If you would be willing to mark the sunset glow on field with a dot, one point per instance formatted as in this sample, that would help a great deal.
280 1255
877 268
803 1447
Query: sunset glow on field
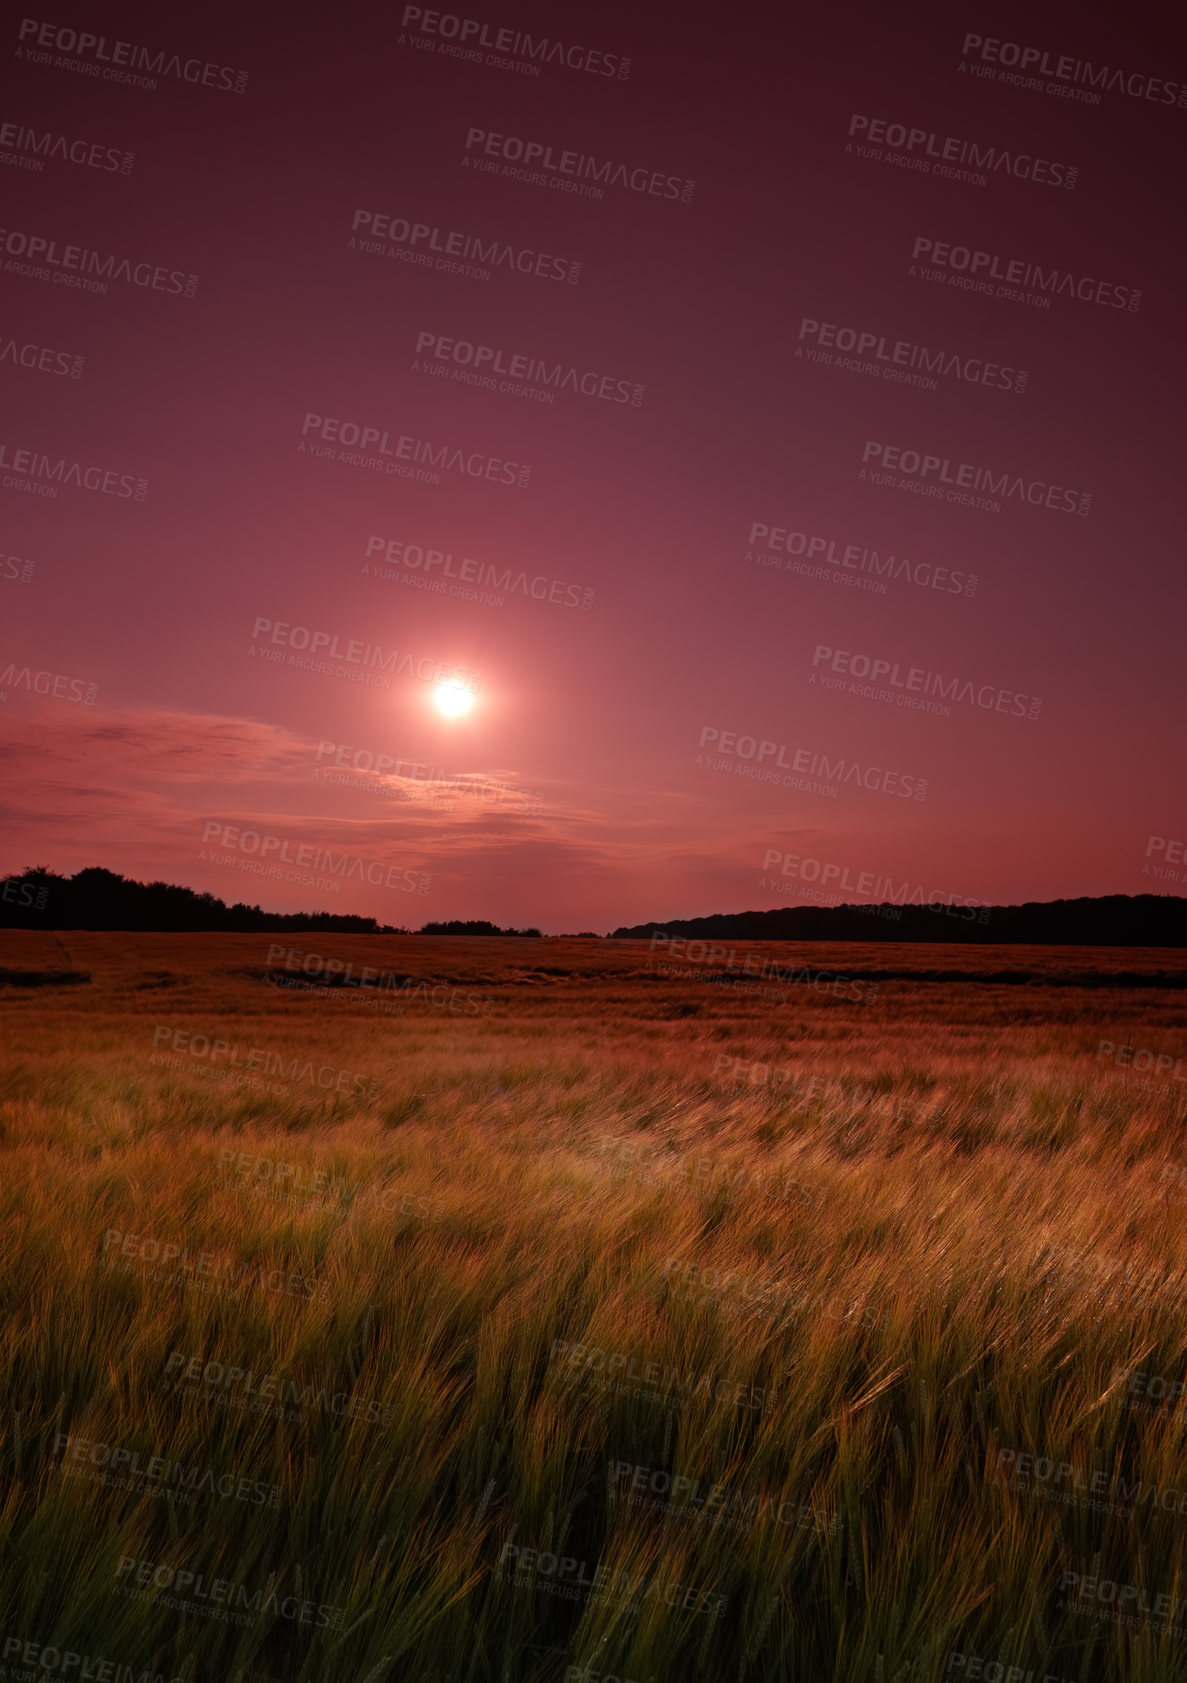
592 899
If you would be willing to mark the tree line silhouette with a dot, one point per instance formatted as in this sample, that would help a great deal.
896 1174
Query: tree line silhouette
95 898
38 898
1110 920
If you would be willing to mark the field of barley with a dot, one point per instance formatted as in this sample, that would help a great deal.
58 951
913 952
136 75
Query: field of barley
386 1308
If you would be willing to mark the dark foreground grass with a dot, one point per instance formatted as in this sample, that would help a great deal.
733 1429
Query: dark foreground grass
621 1325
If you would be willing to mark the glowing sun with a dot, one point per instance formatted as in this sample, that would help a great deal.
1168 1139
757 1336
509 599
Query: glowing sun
453 699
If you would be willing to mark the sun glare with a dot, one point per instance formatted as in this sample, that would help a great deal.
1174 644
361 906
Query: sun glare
453 699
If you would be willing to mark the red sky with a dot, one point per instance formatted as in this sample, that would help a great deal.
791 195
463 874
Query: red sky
587 806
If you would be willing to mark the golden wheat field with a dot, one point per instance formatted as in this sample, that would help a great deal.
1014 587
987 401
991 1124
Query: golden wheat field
509 1311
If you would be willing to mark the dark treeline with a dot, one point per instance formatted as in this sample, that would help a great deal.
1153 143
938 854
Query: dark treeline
98 899
1111 920
474 926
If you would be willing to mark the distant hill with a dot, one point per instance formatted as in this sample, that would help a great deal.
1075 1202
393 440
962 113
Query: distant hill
1111 920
